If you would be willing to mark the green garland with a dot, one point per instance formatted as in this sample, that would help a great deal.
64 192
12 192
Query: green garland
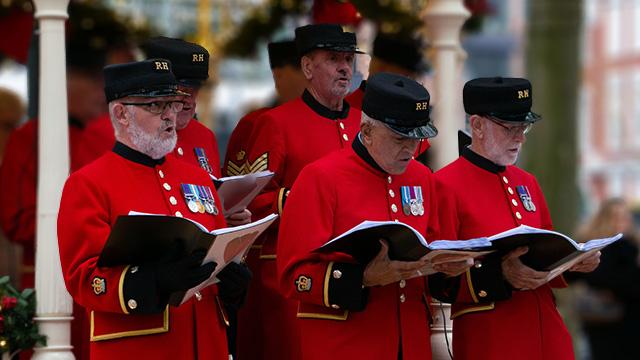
18 331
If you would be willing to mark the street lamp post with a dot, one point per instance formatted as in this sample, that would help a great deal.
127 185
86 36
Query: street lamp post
54 304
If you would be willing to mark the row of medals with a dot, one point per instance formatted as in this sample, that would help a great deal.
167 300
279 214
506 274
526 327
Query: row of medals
202 205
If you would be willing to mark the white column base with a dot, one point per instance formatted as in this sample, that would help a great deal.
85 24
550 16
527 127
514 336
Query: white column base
441 331
58 330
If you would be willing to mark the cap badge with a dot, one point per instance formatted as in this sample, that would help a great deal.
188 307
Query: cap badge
412 200
303 283
523 94
161 65
422 105
525 198
197 58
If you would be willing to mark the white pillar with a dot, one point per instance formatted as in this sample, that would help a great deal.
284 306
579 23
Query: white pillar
54 306
441 331
443 20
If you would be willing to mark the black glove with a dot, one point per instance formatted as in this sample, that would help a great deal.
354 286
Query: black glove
234 282
183 274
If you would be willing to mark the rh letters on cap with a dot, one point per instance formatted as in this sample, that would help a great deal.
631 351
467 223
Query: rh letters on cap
161 65
423 105
523 94
197 58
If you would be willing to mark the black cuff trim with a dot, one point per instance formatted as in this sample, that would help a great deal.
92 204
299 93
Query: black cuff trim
345 287
140 292
487 281
444 288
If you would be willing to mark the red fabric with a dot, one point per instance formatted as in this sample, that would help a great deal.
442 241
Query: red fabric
92 199
238 146
335 12
291 135
99 139
474 202
331 196
19 24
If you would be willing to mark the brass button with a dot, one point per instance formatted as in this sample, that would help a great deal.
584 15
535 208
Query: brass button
337 274
477 264
161 174
345 137
335 306
134 269
180 152
173 200
178 214
402 284
402 298
166 186
396 220
504 178
394 208
389 179
510 190
198 295
341 125
132 304
391 193
482 293
514 202
518 215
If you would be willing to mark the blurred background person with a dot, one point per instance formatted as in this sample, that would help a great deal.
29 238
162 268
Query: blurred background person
12 111
608 306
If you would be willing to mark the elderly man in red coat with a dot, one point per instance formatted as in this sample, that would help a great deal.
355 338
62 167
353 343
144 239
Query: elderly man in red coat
128 307
378 309
502 308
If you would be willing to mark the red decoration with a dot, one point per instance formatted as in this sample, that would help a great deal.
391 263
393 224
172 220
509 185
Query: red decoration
9 302
335 12
19 23
478 7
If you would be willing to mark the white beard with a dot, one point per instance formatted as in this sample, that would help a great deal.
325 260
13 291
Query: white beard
152 145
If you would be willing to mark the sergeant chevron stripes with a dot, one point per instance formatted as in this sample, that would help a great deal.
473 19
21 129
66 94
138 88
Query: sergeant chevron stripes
247 167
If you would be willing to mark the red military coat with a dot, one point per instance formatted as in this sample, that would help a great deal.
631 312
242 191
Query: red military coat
92 199
331 196
235 159
284 140
492 321
99 139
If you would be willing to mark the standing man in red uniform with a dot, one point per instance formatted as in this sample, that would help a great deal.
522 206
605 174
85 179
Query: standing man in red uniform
284 140
380 309
502 308
128 307
289 83
398 54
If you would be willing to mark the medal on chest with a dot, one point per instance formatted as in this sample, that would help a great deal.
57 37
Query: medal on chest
412 201
203 160
525 198
199 199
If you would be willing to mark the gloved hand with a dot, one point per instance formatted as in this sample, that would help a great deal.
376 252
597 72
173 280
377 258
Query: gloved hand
234 282
183 274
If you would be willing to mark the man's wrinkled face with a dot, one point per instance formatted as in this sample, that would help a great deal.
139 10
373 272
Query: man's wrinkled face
503 141
153 134
391 151
189 110
331 72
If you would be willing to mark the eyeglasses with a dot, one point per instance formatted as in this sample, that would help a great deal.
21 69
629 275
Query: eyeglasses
512 130
158 107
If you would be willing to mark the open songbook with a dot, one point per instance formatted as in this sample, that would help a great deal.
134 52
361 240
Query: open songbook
548 250
236 192
140 238
405 244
